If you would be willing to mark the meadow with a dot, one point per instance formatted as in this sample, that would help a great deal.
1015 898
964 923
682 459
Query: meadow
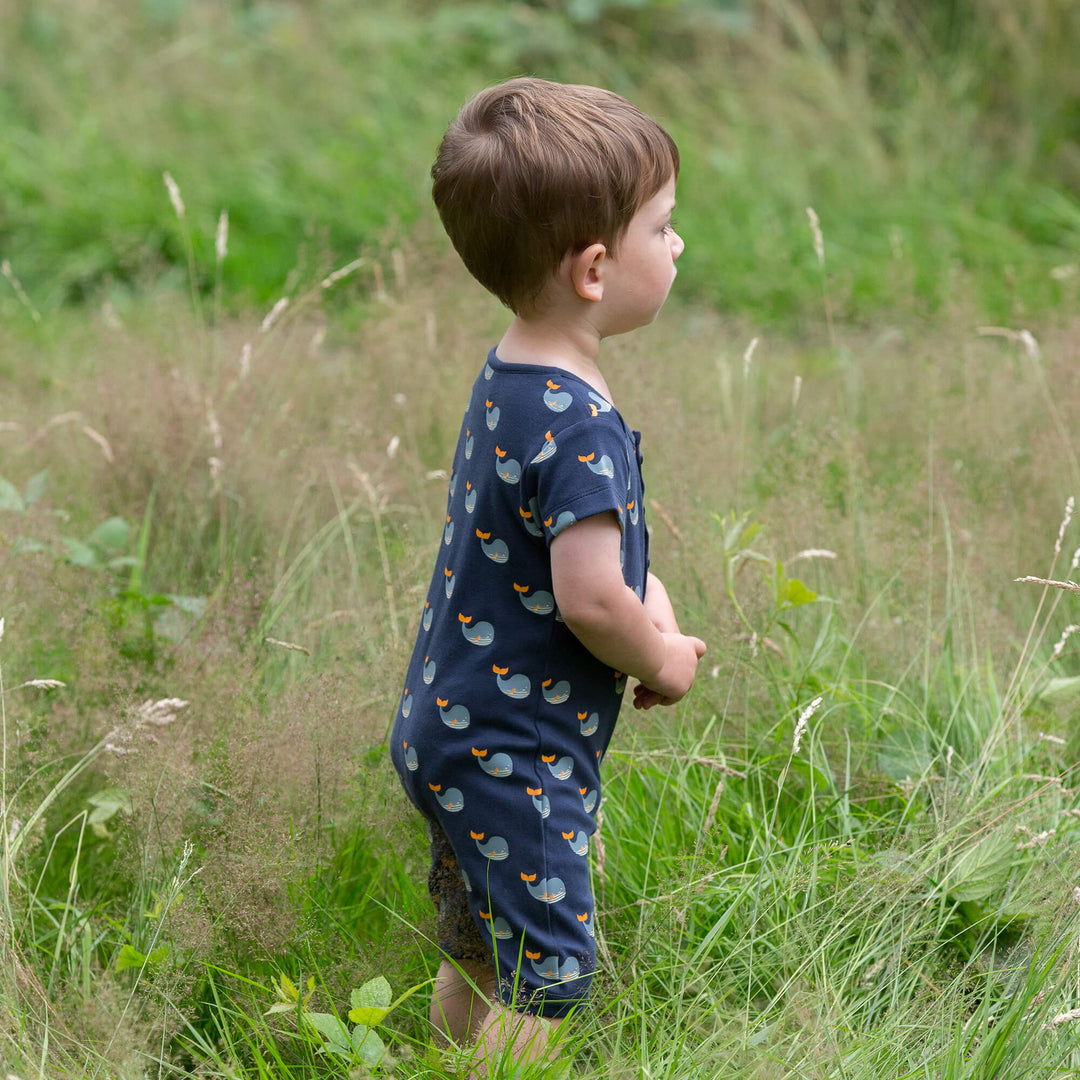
852 851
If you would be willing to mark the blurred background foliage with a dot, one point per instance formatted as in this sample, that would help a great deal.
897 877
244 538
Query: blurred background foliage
937 139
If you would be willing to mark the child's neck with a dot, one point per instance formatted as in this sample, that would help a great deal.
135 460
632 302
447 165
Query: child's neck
572 348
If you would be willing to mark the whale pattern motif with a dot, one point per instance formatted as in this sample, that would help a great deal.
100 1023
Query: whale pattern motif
519 819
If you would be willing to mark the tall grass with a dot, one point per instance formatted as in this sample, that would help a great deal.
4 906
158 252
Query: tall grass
890 893
851 852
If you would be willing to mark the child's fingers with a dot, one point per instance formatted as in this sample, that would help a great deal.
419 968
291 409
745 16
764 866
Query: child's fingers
699 646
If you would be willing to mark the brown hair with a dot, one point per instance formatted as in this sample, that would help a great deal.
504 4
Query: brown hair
532 170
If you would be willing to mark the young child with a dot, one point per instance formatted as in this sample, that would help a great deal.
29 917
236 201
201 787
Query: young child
558 199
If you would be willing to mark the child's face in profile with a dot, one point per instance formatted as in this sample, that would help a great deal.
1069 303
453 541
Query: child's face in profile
638 279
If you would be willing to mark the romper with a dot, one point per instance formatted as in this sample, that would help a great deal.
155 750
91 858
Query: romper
505 715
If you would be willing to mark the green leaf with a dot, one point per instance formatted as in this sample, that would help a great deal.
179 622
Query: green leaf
981 869
332 1029
130 957
27 545
106 805
367 1045
79 554
10 499
796 594
114 534
371 1002
35 487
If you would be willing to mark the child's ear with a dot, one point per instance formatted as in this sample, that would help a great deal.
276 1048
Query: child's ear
586 272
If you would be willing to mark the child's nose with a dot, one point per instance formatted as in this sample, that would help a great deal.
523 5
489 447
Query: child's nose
677 246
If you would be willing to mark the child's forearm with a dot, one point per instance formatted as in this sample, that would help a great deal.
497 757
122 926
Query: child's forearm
609 619
615 627
658 606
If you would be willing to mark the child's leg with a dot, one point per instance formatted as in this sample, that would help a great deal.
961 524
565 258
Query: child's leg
529 1038
457 1009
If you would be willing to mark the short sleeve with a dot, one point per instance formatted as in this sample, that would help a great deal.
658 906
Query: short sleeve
580 471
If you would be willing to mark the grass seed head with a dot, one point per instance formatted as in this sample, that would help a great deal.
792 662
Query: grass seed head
174 194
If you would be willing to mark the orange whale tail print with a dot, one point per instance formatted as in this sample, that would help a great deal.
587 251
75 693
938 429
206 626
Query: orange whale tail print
528 877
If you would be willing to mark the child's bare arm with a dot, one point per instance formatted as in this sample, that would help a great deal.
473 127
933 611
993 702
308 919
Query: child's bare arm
607 617
658 606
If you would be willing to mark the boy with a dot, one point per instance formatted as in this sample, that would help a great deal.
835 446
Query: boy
558 199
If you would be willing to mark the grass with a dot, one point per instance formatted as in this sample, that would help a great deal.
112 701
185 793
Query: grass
894 897
936 144
851 852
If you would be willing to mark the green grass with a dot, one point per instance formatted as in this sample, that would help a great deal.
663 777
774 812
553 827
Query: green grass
939 153
183 889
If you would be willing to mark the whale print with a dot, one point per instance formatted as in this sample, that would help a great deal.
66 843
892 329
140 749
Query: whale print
601 404
499 765
479 633
496 550
451 581
550 968
451 800
557 694
428 615
579 842
500 928
429 670
492 415
565 519
603 467
457 717
549 890
488 371
406 704
620 682
588 799
453 484
448 532
548 449
497 927
470 498
470 438
540 801
540 603
517 686
562 769
412 763
495 849
587 920
632 506
555 401
529 521
465 880
508 470
588 722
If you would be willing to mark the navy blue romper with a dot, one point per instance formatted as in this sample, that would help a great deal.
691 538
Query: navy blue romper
505 716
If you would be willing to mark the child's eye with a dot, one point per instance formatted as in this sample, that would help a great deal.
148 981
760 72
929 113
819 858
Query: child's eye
669 227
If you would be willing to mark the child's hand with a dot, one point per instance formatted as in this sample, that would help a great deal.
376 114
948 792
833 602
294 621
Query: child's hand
676 676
